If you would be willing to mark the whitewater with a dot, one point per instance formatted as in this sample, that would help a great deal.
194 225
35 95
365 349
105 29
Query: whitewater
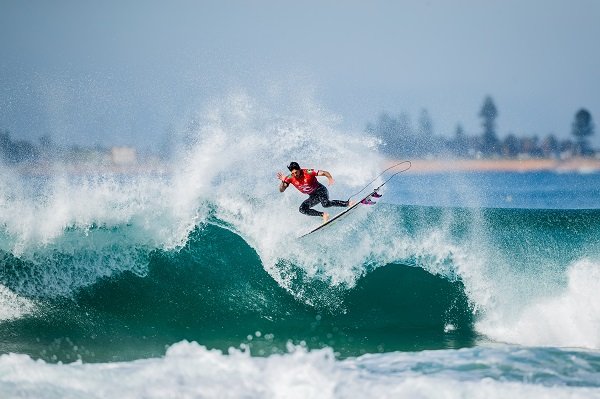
193 283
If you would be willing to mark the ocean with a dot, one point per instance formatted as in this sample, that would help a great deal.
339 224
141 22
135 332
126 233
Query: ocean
194 284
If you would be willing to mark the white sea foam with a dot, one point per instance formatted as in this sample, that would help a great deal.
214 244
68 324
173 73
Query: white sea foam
33 220
12 306
69 232
191 371
570 318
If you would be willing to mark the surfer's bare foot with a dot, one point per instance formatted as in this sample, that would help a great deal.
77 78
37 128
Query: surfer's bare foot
325 217
351 204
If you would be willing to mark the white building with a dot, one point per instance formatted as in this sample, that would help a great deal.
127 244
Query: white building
123 155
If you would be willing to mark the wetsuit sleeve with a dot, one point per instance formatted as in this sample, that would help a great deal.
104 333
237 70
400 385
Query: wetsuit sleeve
312 172
288 179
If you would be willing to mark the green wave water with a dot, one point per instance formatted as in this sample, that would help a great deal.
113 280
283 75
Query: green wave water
215 290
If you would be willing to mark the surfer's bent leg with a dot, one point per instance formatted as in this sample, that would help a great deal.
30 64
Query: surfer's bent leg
311 201
323 196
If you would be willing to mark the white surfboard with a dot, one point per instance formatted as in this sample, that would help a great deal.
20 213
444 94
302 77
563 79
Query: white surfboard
341 214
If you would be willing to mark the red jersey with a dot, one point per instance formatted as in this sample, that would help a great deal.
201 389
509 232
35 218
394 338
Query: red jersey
307 183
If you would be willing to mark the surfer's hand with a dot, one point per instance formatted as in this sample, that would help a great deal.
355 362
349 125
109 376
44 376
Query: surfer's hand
331 181
280 176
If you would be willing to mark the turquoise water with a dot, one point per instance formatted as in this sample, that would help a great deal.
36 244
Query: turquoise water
395 292
215 290
529 190
195 284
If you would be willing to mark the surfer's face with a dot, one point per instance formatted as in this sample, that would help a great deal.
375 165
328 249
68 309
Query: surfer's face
296 173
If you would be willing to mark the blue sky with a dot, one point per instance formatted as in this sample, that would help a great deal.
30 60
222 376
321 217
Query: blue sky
126 72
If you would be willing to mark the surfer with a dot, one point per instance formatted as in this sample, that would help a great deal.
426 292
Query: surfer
305 180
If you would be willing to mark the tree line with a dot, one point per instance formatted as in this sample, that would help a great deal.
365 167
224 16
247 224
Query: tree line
400 138
14 151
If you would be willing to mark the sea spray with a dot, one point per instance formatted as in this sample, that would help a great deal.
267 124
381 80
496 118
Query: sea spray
62 232
240 148
570 317
12 306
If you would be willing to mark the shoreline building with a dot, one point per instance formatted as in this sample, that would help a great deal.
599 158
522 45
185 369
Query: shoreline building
123 156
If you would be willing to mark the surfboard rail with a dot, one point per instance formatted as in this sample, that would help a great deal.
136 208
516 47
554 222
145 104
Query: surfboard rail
373 193
339 215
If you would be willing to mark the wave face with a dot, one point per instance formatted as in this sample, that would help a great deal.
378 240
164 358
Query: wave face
215 290
112 267
416 289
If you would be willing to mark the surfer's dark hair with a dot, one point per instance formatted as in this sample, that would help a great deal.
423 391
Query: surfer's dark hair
293 166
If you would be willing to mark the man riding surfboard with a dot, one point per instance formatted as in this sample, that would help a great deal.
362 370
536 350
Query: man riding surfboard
305 180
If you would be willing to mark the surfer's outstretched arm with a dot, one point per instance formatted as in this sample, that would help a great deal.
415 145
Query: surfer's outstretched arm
283 185
327 175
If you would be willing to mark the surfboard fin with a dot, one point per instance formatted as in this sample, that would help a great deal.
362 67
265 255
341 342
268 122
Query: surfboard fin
369 201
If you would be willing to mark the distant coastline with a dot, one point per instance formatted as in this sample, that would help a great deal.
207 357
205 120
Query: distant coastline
419 166
582 165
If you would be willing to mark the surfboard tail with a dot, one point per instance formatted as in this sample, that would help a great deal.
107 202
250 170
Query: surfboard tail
366 201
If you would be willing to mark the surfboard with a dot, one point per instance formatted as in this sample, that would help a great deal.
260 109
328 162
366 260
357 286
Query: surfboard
366 200
341 214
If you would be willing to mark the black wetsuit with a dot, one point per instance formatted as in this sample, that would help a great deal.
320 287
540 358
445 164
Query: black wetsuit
320 195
